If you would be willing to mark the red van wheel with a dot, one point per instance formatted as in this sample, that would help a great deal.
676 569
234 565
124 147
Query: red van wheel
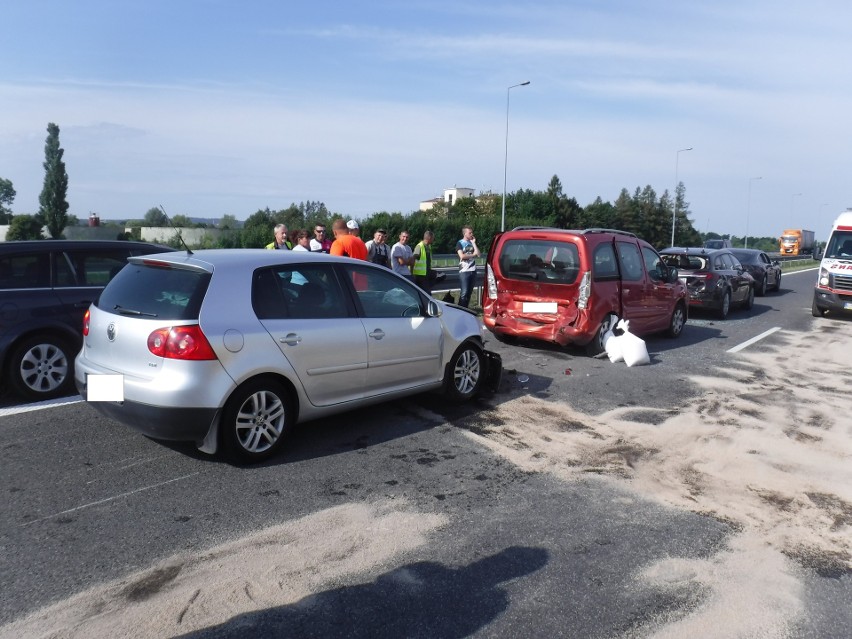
596 346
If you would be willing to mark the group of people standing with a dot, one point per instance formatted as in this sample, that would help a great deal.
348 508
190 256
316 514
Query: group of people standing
414 264
300 240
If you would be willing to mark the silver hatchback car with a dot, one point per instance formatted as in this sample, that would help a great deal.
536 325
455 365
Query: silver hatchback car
231 348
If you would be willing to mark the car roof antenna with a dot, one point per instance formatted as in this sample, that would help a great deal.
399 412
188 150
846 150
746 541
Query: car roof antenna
176 229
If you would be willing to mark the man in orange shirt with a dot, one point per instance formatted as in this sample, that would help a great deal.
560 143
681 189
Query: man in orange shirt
346 244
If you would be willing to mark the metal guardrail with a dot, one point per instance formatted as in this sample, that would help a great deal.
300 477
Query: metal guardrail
798 264
791 258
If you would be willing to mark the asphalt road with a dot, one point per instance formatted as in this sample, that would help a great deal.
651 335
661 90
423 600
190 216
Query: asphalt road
88 501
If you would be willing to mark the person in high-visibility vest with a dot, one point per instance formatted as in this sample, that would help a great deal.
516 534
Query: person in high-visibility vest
281 241
422 269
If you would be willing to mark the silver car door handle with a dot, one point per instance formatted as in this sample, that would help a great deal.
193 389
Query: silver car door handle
291 339
377 334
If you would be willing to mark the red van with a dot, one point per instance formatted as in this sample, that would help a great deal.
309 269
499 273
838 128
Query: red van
570 287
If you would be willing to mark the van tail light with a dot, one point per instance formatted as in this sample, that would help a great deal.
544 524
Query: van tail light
491 281
585 290
180 342
86 316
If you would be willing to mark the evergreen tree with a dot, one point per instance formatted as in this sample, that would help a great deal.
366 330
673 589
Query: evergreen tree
685 234
654 216
53 206
569 214
600 214
554 189
624 213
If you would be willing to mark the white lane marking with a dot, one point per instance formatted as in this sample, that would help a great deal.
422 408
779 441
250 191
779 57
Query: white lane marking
739 347
48 403
108 499
138 462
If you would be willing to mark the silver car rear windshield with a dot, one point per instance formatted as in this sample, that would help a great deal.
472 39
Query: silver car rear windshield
155 291
540 260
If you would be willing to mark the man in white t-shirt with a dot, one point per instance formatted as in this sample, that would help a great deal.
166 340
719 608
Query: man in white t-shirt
321 242
402 257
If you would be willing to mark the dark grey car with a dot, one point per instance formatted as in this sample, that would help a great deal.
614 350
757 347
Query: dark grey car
715 279
45 288
765 271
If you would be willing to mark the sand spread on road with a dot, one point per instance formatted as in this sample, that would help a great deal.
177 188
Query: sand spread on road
274 567
763 447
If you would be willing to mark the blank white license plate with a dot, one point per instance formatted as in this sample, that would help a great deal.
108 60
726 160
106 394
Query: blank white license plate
105 388
539 307
847 306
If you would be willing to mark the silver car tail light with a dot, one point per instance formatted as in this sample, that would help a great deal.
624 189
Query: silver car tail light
180 342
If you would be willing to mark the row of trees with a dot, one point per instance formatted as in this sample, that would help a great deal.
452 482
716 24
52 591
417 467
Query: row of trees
643 212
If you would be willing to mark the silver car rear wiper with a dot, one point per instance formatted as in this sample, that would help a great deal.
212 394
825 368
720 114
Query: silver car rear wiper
132 311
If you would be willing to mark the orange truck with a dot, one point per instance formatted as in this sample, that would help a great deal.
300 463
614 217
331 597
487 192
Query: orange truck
796 242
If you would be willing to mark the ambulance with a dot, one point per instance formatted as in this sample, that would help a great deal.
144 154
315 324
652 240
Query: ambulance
833 292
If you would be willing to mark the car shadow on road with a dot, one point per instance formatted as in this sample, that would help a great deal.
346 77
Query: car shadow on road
370 426
424 599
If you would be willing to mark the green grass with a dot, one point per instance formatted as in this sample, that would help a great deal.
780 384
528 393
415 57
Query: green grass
791 266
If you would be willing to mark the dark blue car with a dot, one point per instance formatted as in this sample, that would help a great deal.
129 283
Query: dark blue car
45 288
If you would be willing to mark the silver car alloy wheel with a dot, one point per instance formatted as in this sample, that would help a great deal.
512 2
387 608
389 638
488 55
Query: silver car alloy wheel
260 421
467 371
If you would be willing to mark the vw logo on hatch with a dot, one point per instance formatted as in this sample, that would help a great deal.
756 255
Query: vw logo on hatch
111 332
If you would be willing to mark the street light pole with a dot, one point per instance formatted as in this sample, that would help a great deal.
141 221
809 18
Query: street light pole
674 213
506 156
748 210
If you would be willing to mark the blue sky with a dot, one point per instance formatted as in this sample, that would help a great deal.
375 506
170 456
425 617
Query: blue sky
209 107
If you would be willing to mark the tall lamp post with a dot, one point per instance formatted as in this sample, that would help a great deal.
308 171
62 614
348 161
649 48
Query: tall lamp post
674 213
748 210
506 157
